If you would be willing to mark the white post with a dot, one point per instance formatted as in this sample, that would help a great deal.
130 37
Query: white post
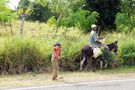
22 23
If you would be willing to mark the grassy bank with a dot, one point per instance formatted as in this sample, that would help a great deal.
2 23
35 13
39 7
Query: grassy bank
31 52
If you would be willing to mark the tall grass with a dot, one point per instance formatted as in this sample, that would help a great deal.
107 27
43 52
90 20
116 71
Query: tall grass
126 47
32 51
22 55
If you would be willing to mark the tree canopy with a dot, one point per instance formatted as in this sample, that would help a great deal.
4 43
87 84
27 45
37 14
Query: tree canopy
107 10
108 14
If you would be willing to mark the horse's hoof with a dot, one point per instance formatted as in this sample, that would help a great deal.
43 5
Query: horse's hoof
94 70
105 66
80 69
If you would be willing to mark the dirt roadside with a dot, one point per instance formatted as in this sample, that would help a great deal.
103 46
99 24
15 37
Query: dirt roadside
30 79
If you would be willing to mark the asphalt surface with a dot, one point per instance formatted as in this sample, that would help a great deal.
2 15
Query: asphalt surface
121 84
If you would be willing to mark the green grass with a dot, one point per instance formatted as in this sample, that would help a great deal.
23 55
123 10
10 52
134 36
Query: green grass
34 47
126 69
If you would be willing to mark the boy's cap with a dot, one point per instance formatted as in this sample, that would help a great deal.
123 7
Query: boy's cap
57 44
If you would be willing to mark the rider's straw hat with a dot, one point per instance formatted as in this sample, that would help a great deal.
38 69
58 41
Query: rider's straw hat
93 26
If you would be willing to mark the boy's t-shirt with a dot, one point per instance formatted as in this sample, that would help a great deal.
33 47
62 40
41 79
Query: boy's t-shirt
56 52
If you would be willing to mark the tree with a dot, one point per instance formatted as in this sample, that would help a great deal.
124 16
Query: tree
107 10
125 19
23 4
40 13
60 7
37 10
63 9
82 19
6 15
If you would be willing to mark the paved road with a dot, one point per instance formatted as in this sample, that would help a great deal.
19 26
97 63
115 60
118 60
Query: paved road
124 84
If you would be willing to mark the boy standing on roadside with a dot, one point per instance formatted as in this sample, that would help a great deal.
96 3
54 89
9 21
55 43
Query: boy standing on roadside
55 56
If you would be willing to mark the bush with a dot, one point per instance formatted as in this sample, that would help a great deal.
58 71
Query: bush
128 53
71 49
22 55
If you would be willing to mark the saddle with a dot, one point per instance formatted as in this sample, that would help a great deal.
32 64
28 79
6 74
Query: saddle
97 52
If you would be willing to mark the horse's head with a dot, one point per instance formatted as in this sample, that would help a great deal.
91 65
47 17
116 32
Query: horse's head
113 47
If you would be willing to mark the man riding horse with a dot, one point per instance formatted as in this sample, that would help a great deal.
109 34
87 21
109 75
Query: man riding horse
95 42
94 50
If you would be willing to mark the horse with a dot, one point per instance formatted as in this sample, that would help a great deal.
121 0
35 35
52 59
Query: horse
87 55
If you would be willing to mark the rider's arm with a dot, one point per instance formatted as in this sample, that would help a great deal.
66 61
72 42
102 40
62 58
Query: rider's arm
98 42
100 38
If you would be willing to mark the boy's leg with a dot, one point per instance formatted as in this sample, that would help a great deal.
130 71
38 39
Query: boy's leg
57 69
54 63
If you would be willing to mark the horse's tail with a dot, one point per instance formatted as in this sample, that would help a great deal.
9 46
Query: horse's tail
82 53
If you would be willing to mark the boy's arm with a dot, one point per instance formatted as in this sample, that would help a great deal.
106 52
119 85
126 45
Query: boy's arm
53 54
59 54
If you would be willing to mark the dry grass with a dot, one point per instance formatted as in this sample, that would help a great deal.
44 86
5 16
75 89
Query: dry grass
31 79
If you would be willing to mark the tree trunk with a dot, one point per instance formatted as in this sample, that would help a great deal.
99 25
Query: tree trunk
5 26
39 24
65 32
57 26
22 25
11 28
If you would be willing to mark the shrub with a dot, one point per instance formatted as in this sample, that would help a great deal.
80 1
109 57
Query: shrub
128 53
22 55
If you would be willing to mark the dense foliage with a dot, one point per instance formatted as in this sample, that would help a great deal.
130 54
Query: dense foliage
125 19
128 54
36 10
107 10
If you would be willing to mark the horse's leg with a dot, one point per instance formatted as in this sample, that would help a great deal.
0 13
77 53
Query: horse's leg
82 62
93 65
105 64
101 64
89 63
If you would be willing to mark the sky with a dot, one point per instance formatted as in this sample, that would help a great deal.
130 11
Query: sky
13 4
